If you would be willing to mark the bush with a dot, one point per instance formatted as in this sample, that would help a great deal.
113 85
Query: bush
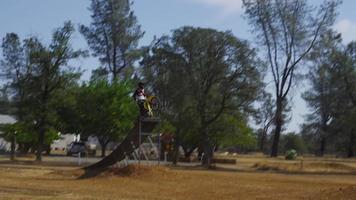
291 154
292 141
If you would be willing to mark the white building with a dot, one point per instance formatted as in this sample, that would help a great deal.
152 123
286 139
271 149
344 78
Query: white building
66 139
5 119
60 144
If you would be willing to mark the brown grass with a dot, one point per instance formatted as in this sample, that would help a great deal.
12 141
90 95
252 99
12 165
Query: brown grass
19 181
308 167
347 192
136 171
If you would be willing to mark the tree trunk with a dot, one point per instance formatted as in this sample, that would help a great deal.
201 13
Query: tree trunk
207 149
324 131
41 137
200 152
42 122
262 140
278 124
103 149
351 146
33 148
27 147
103 141
114 76
13 147
175 151
322 146
188 152
24 148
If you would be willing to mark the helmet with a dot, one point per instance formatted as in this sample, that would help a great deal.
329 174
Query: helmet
141 85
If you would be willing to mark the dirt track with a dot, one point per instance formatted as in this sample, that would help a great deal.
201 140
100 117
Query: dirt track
41 182
253 177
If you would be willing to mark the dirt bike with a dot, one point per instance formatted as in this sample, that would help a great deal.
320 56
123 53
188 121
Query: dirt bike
150 104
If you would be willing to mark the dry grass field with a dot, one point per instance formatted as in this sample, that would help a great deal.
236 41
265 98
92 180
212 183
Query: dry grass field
253 177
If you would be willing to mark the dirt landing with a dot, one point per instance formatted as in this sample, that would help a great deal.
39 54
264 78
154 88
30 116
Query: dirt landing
311 168
161 183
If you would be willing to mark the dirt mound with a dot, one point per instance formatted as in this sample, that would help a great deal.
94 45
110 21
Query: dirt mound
333 167
74 173
128 171
314 167
348 192
276 166
136 170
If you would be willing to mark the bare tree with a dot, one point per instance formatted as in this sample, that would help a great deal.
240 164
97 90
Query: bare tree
287 30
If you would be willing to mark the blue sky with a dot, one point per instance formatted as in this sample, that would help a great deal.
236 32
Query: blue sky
157 17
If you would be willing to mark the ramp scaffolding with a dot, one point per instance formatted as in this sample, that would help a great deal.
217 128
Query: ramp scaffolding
133 145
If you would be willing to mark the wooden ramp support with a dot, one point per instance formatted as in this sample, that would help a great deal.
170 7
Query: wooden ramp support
143 127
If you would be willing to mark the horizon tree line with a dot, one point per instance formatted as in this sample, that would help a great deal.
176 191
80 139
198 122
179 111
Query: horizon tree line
208 81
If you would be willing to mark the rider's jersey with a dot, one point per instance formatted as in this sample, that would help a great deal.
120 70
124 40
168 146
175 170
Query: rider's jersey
139 94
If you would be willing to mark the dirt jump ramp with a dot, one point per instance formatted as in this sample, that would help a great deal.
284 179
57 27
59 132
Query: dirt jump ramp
128 145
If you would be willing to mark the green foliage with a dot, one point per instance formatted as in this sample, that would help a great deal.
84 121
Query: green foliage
291 154
287 31
330 127
234 131
51 135
343 79
16 70
6 106
65 103
105 110
26 134
200 75
51 74
292 141
113 35
37 73
166 127
319 97
99 74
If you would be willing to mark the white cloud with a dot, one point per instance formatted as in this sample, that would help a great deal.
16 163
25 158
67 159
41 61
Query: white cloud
227 7
347 28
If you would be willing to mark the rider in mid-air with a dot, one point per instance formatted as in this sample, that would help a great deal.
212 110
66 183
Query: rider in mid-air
140 97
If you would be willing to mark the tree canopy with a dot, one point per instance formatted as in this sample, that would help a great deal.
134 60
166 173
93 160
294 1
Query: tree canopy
200 75
113 35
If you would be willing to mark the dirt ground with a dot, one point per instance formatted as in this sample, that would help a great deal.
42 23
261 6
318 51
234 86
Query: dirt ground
250 178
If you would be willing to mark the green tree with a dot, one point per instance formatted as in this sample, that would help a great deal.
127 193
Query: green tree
106 111
99 74
287 30
293 141
16 70
50 74
25 136
233 131
199 75
332 97
113 35
320 97
65 103
343 78
5 105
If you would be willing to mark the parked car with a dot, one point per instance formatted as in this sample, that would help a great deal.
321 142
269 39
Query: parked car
75 148
82 148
